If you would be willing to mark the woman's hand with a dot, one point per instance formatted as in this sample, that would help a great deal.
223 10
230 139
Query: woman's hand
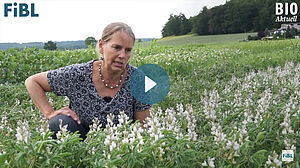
65 111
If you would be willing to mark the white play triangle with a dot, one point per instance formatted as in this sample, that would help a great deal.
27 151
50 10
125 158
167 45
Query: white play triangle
149 84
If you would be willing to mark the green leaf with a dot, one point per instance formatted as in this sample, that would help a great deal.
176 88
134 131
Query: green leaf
260 136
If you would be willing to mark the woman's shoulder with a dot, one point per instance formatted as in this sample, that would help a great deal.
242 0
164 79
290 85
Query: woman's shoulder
72 71
82 66
131 68
79 67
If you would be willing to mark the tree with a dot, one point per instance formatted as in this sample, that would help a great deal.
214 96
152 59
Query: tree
90 40
200 22
185 25
176 25
235 16
50 45
216 22
172 27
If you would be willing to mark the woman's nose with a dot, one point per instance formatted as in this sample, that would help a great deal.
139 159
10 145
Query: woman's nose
122 54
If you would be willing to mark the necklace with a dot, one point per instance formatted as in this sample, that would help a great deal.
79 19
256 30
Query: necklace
105 84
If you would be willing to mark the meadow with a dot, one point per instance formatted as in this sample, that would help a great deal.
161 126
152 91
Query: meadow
203 39
230 105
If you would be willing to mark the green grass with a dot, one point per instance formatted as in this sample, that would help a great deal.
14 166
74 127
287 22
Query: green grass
194 39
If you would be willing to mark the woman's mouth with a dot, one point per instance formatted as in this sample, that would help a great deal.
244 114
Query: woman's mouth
118 64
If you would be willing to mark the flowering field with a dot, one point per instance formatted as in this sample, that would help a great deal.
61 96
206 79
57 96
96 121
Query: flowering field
230 105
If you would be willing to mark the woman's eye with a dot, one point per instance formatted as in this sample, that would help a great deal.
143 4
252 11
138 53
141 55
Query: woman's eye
117 47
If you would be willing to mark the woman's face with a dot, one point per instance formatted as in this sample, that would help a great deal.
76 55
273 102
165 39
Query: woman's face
116 51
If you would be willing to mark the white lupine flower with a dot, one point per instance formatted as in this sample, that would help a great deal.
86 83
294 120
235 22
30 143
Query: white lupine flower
204 163
112 145
125 140
96 126
210 104
216 130
23 131
3 122
93 150
228 144
179 108
263 105
42 129
236 146
211 162
287 129
50 100
154 126
273 160
191 123
63 133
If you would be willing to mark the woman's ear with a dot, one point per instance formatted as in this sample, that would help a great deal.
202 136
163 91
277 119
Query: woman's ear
100 43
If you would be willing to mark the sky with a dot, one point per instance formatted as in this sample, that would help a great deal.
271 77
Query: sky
71 20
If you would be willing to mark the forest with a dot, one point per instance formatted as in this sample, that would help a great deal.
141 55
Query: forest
235 16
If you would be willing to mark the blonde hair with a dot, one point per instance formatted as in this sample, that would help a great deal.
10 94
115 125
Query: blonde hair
112 28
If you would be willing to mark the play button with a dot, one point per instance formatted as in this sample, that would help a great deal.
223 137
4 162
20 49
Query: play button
149 84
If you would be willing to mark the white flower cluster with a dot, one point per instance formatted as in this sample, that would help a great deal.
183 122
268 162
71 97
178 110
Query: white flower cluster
171 120
171 123
209 163
273 161
63 132
211 104
115 138
286 124
43 128
3 122
239 96
123 133
112 133
154 126
263 105
23 132
189 113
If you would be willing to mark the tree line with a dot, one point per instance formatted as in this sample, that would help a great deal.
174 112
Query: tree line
50 45
235 16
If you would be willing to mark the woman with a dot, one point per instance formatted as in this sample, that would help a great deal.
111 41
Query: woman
95 88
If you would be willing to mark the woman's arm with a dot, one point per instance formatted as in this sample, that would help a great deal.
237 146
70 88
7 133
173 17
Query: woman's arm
141 115
37 86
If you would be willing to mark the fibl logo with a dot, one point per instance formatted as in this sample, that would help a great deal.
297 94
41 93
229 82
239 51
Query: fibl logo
20 10
287 155
289 11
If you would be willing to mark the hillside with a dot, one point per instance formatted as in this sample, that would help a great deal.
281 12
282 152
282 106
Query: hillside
206 39
61 45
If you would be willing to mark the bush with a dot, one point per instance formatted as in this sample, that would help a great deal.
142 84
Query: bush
250 38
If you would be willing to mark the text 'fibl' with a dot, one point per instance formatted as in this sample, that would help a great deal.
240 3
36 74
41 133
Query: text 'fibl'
19 10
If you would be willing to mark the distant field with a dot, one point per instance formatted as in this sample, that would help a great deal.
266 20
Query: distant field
194 39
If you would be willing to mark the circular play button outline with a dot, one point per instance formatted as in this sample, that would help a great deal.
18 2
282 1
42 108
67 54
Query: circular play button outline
149 84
